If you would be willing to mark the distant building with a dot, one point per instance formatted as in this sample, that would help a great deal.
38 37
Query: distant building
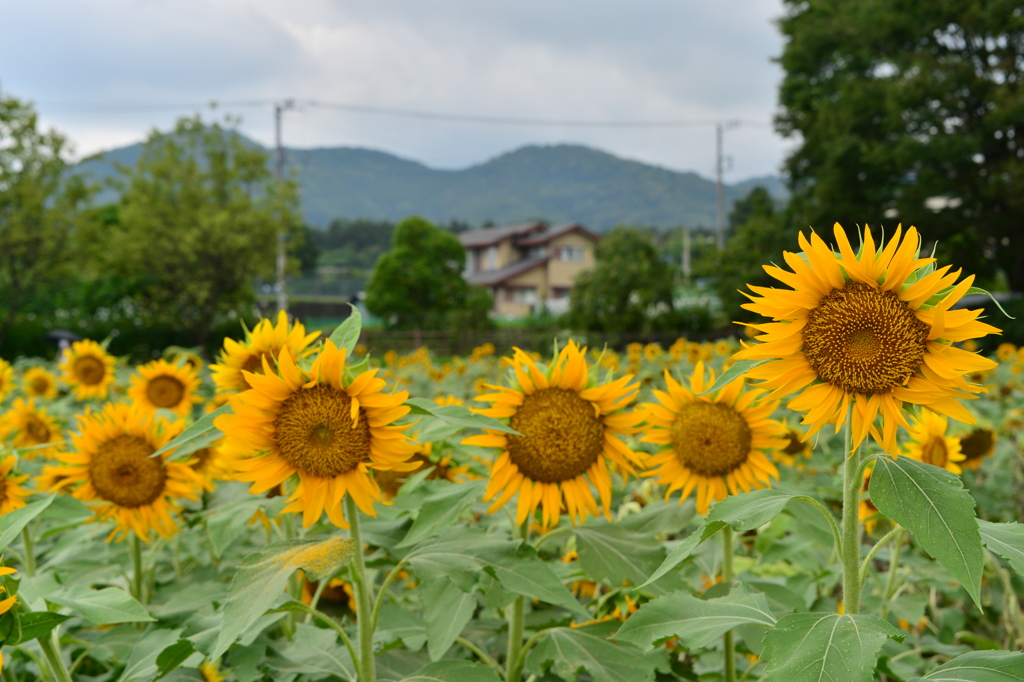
528 265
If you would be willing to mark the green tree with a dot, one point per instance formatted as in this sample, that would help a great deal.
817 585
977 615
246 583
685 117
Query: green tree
910 112
39 206
418 284
630 288
197 223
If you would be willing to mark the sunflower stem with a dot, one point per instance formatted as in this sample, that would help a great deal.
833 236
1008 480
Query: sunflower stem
727 640
53 658
364 599
138 571
894 565
30 551
850 551
513 660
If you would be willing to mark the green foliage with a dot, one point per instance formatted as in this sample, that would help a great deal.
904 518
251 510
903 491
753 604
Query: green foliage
419 284
566 651
354 243
896 103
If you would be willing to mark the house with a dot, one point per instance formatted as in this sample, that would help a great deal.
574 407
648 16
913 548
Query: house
528 265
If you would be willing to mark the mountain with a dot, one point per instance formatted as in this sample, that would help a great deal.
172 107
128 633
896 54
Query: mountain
560 183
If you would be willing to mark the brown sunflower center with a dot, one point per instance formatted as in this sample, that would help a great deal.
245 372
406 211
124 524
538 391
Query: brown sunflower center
40 386
316 435
165 391
934 452
123 472
711 439
254 364
200 458
562 436
3 490
977 444
36 429
89 370
794 446
864 340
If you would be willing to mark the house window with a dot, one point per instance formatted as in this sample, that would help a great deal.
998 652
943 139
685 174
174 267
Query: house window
491 258
538 251
525 295
559 292
571 253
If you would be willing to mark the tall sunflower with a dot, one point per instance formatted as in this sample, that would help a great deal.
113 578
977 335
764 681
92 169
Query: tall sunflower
31 426
6 377
571 428
111 465
713 444
264 342
797 446
442 470
88 369
6 604
12 495
874 328
976 446
39 382
212 463
930 444
162 385
329 430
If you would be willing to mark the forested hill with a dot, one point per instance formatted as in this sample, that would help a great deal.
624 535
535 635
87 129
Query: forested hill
557 182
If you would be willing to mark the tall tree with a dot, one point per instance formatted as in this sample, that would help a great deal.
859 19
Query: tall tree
39 206
910 111
198 221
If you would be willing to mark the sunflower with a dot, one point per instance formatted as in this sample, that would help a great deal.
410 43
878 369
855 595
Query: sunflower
1006 352
12 495
6 604
874 329
930 444
976 446
6 375
30 425
162 385
111 463
797 446
264 342
39 382
88 368
212 463
867 512
391 481
327 428
570 430
714 445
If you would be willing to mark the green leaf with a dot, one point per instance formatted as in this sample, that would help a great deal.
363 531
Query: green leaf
979 290
12 522
441 509
228 523
520 571
811 647
454 671
446 610
613 554
199 429
173 656
37 624
103 607
263 576
398 624
458 415
318 653
740 512
738 368
1006 540
142 663
696 622
564 651
932 504
346 334
979 666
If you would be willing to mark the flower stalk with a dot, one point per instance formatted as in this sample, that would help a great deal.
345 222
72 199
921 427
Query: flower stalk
849 552
138 571
514 660
366 664
727 640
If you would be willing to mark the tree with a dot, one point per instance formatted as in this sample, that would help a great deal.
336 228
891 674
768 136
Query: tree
39 206
418 284
198 222
910 112
628 290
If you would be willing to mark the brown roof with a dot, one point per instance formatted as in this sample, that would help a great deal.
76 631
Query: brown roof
490 278
557 231
493 235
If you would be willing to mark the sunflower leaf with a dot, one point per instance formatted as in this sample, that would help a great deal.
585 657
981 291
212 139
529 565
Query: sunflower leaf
1006 540
458 415
979 290
446 610
441 509
564 651
979 666
809 647
932 504
201 428
346 334
454 670
37 624
12 522
738 369
611 553
103 607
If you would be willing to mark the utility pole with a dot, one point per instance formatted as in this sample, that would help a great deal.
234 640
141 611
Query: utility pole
687 268
720 162
282 235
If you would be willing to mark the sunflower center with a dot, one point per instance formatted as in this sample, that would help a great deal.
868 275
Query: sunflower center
3 490
89 370
316 435
978 443
794 446
123 472
40 386
165 391
711 439
562 436
201 457
254 364
36 429
934 452
864 340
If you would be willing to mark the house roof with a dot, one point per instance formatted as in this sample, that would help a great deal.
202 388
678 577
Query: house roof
493 235
557 231
490 278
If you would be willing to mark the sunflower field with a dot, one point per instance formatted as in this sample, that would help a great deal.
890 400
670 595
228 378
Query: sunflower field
832 497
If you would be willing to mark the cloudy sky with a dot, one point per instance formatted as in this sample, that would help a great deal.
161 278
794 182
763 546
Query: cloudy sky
106 71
